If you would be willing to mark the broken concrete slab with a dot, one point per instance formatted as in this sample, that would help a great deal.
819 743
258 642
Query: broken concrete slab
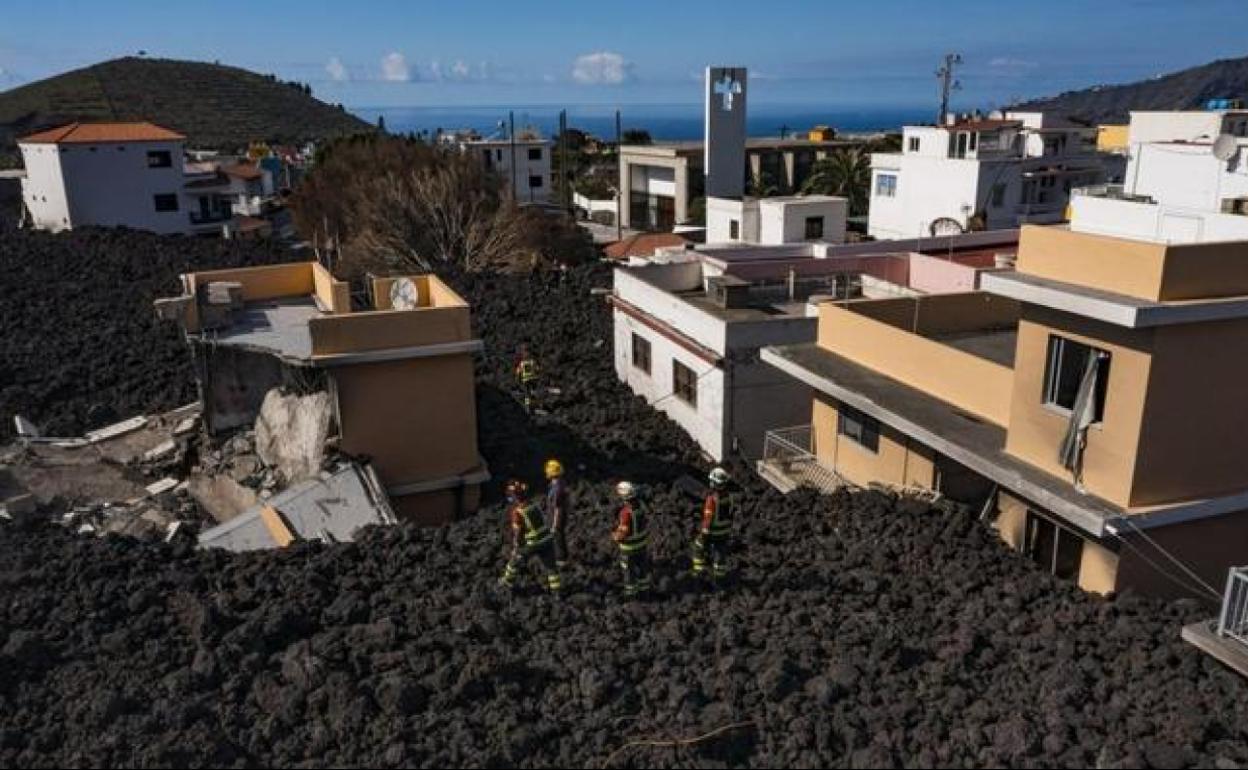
186 426
291 432
161 451
220 496
116 429
166 484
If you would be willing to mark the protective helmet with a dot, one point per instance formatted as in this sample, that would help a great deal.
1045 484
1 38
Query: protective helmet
625 490
516 488
554 468
718 477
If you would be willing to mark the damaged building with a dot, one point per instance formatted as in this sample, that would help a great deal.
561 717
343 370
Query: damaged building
343 391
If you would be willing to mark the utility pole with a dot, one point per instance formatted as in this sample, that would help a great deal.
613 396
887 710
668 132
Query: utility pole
619 182
565 194
947 85
511 134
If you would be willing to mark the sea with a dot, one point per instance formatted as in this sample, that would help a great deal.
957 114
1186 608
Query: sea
665 122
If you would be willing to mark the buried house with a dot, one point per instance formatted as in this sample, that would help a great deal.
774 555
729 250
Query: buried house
385 378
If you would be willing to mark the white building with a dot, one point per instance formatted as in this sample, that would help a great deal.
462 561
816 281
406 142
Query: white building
773 221
1186 181
989 173
531 179
133 175
687 332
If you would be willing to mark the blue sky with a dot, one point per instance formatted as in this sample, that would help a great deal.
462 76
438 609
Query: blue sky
414 53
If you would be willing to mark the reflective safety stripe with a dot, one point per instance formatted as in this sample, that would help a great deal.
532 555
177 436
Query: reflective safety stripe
634 543
535 531
554 582
528 370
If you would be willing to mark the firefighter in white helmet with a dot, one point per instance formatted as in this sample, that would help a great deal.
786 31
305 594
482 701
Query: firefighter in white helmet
710 544
632 537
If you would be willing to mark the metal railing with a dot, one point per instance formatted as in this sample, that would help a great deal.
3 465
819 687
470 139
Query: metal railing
789 457
1112 191
1233 623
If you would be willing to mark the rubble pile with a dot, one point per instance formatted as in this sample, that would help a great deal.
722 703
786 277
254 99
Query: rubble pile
81 346
858 629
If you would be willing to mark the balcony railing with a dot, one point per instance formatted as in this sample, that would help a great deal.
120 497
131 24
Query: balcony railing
1233 622
789 461
1113 191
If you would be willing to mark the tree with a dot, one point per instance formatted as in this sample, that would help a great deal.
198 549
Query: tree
846 173
381 124
636 136
761 185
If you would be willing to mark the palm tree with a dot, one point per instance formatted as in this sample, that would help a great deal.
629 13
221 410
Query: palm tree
846 173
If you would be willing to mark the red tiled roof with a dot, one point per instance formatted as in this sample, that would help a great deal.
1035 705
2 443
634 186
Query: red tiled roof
643 245
244 171
91 133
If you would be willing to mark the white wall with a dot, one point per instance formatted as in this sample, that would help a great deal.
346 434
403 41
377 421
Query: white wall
110 184
500 162
1187 176
43 190
783 220
721 211
1148 221
1169 126
927 188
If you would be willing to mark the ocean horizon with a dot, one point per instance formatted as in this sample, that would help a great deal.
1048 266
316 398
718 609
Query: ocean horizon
665 122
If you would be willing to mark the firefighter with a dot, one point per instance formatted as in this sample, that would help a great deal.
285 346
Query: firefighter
526 375
529 537
710 545
557 506
632 536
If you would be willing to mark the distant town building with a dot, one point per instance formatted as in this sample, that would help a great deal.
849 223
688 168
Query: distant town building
776 220
984 173
1186 181
134 175
530 179
689 326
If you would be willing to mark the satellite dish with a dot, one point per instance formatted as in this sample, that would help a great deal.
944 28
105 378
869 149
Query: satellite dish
404 295
945 226
1225 147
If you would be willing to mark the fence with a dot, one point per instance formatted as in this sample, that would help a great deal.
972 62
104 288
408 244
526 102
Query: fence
789 461
1233 622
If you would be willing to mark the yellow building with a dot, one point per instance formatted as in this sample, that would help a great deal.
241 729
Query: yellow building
1112 138
1092 401
397 365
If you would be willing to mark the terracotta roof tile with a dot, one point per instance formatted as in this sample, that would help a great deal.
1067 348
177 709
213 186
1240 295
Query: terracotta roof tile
643 245
91 133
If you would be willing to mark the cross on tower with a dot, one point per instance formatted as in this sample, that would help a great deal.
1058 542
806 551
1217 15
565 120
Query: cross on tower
727 87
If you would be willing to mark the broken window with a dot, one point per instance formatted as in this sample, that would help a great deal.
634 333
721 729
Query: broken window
1065 370
685 383
641 353
858 427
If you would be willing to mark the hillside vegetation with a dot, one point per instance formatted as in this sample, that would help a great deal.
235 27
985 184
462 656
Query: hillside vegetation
1184 90
214 105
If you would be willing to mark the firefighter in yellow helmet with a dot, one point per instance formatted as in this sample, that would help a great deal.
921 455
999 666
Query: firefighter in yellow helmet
526 376
529 537
710 544
557 509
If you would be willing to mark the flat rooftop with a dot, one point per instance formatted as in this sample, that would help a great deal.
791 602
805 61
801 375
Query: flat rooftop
278 326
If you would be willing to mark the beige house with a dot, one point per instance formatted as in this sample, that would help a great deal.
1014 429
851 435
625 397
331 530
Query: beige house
1090 404
397 366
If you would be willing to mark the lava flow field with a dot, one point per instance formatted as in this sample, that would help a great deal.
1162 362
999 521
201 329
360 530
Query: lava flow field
859 629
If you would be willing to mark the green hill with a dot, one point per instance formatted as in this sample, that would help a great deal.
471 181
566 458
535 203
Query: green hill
214 105
1184 90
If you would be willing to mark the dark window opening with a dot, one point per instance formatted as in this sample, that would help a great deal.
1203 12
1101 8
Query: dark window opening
1053 548
641 353
166 202
1065 369
814 228
685 383
159 159
535 153
535 181
734 229
858 427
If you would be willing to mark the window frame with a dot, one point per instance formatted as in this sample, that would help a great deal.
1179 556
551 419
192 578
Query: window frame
684 384
734 229
641 353
913 143
865 435
1054 360
885 185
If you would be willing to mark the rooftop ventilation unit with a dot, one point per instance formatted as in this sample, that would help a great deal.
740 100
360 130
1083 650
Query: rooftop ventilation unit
728 291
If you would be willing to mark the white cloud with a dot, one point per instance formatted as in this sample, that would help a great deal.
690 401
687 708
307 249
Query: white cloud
337 70
1008 65
394 68
602 68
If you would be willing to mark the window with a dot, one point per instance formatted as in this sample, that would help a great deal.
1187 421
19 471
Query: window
535 153
886 185
914 144
998 195
685 383
1055 549
159 159
814 228
641 353
734 230
974 141
166 202
535 181
858 427
1064 371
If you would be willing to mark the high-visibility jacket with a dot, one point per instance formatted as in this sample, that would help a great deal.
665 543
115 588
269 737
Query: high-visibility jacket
632 532
526 370
716 515
528 523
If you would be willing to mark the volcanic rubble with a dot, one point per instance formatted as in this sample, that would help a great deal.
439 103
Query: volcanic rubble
859 629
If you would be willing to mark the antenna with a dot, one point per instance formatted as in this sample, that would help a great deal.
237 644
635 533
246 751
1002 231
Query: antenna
404 295
1225 147
784 131
947 84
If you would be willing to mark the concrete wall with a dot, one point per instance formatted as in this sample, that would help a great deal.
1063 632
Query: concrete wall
724 121
500 162
783 220
1150 221
928 188
1171 125
1036 430
936 275
899 462
720 212
1209 547
1186 176
43 189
